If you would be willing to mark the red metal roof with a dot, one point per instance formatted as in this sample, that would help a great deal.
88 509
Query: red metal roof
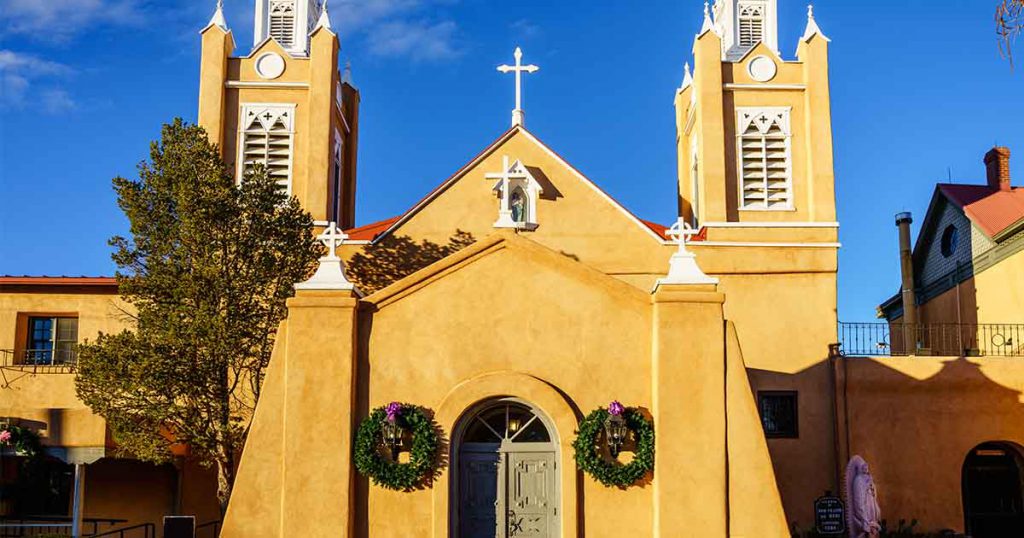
368 232
996 212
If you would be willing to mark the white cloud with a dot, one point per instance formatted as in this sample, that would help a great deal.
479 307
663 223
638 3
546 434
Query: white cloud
18 72
61 19
57 100
524 28
419 40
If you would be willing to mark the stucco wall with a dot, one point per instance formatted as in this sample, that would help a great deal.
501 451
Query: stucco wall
915 419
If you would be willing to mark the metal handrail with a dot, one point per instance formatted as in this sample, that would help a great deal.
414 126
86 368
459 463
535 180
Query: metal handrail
40 361
215 525
149 531
937 339
15 526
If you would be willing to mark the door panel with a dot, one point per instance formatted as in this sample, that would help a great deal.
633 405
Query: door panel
532 499
479 495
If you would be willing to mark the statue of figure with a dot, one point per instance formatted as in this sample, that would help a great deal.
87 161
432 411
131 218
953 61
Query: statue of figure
862 512
517 203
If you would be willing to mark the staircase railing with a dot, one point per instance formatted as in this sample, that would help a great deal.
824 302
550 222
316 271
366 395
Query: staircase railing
148 530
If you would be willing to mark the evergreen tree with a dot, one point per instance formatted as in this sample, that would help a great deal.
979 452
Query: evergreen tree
206 271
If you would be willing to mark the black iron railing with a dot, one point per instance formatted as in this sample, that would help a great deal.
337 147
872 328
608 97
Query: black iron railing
27 526
143 530
61 361
210 529
939 339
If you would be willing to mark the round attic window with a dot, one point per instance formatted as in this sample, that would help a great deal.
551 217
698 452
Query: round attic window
762 69
950 237
269 65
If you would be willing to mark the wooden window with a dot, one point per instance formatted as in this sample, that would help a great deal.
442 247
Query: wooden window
779 414
336 180
266 138
751 24
51 340
282 22
764 163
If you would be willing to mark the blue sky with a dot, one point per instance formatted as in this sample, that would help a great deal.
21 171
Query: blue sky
919 92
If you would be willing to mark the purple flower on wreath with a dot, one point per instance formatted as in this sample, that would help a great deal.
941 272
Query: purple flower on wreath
615 408
393 410
5 437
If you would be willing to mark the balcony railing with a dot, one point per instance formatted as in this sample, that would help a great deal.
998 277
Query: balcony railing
60 361
939 339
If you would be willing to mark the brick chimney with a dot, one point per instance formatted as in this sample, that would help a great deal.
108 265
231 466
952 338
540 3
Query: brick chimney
997 167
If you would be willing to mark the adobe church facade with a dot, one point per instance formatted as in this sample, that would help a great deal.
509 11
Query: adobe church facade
563 302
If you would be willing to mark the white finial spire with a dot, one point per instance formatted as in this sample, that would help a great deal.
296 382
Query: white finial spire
812 25
683 267
218 19
346 76
325 19
687 77
330 275
708 23
518 115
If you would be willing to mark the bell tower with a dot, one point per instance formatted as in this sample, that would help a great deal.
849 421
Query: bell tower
285 105
754 130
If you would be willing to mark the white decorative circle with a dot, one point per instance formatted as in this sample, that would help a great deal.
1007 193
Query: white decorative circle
269 65
762 69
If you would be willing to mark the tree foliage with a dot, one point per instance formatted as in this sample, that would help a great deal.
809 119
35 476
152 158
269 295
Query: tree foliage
1009 24
206 271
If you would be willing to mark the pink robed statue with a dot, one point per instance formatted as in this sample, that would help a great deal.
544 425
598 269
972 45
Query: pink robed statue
863 516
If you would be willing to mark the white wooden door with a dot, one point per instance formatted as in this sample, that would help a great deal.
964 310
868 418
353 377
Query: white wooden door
532 502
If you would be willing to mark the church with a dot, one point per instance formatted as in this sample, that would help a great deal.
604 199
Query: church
519 355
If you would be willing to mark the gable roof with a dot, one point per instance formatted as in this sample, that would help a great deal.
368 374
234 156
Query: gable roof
995 212
369 232
507 135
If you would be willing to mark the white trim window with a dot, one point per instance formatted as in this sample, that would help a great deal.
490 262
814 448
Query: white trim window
750 23
282 22
266 136
764 155
694 185
336 179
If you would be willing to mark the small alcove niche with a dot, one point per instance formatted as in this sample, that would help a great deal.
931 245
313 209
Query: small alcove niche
517 192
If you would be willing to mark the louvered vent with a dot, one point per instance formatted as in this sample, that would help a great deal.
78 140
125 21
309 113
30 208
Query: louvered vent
282 22
764 164
267 140
751 25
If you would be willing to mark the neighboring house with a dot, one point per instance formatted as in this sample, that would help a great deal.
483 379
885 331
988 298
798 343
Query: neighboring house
968 266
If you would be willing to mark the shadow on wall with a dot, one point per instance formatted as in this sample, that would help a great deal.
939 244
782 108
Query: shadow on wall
395 257
918 420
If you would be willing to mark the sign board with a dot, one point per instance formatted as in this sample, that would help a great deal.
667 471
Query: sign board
179 526
829 515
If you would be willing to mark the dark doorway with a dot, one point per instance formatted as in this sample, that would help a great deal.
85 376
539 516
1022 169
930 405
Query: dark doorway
992 491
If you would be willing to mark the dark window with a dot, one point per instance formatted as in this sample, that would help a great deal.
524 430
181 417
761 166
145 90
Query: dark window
51 340
949 240
778 414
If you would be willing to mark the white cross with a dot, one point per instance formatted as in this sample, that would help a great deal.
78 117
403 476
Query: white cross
518 69
332 237
680 232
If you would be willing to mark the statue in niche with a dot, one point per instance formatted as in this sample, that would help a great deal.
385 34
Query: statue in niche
517 203
864 517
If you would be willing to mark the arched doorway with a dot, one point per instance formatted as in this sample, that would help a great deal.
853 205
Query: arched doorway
992 491
505 483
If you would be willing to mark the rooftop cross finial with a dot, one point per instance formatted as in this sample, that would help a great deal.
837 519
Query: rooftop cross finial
330 275
708 24
325 18
810 10
682 267
681 232
332 237
518 70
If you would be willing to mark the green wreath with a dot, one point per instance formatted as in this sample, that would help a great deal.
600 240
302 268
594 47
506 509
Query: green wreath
388 473
610 472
